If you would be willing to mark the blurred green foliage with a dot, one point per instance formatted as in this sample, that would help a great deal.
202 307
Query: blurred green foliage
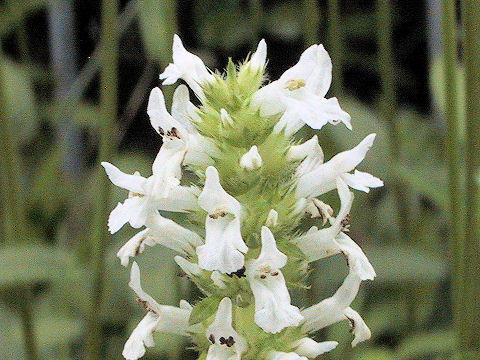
407 306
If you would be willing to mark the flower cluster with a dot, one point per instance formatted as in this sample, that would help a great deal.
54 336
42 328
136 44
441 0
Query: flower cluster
239 238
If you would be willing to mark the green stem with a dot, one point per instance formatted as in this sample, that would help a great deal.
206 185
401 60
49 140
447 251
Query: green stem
108 112
13 206
449 25
26 314
335 39
470 324
311 21
388 103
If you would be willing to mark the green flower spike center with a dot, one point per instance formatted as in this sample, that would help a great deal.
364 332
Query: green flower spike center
237 231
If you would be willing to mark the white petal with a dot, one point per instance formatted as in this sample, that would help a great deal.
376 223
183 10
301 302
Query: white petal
269 100
308 148
273 311
214 198
314 67
321 243
357 260
183 110
133 247
270 254
168 233
226 118
290 122
322 179
134 183
251 160
180 199
190 269
331 310
171 74
362 181
173 320
136 286
140 338
359 328
160 119
259 57
187 66
167 168
222 327
311 349
272 218
223 245
133 210
201 151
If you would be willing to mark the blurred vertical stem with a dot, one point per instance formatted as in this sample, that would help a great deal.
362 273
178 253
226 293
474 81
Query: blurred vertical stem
26 314
470 324
388 101
389 111
108 112
13 212
449 26
311 21
335 39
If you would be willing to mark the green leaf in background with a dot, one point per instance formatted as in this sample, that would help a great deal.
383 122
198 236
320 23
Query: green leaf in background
56 332
406 264
20 98
29 264
374 354
422 345
48 197
158 24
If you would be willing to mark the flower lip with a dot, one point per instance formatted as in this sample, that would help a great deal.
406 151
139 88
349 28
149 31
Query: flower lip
221 333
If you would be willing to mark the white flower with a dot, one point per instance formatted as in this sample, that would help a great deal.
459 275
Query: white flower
310 153
321 179
160 231
161 318
337 308
158 192
272 218
359 329
300 94
318 209
186 66
226 343
226 118
280 355
311 349
273 311
191 269
251 160
318 244
178 127
259 57
223 241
